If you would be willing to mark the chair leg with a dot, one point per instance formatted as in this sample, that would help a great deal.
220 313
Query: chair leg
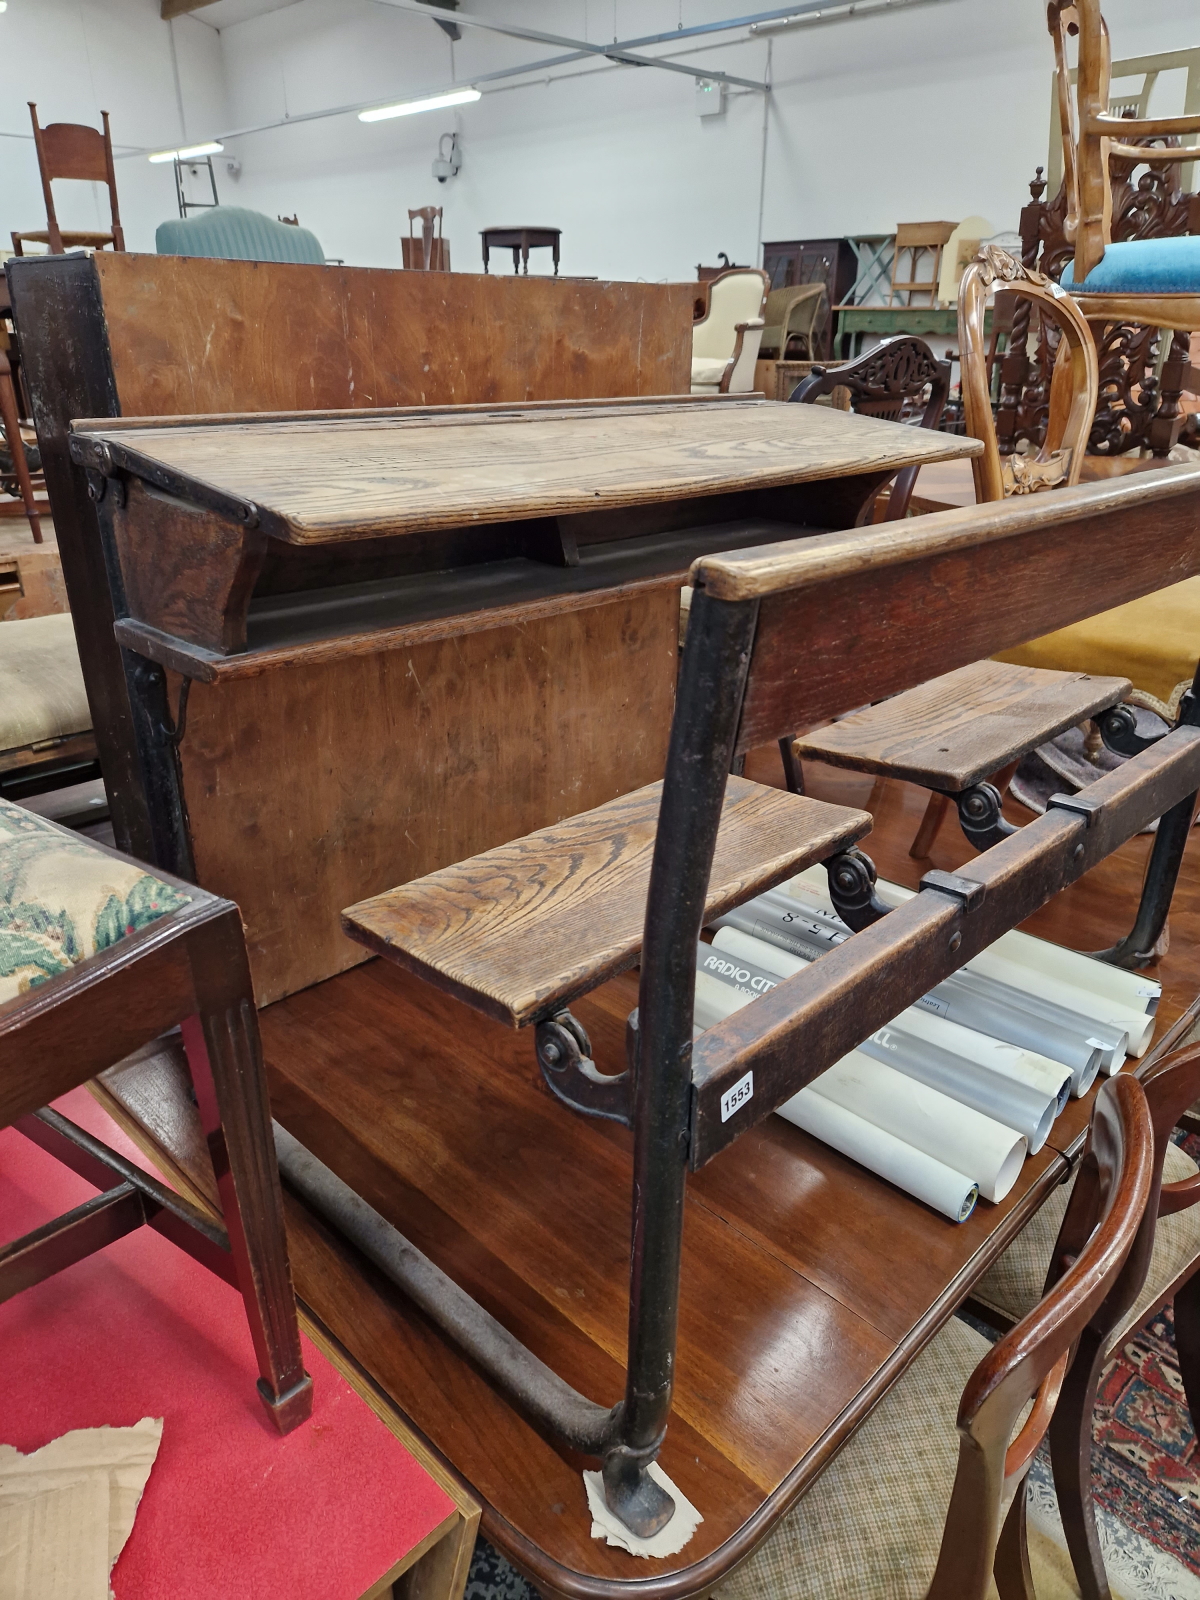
12 429
793 771
935 814
1014 1576
226 1066
1071 1458
1187 1343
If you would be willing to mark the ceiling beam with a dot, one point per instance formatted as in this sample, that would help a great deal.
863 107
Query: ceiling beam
180 8
612 52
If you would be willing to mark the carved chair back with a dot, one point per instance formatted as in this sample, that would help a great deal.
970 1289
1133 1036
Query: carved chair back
74 150
884 383
1074 388
1031 1361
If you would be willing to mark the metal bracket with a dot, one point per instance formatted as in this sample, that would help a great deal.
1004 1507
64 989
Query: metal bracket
981 815
966 890
1118 729
564 1054
852 889
174 732
1079 804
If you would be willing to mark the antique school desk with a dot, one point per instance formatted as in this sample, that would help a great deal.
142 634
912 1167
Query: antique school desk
792 1325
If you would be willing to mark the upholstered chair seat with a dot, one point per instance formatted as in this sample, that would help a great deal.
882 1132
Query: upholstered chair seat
1142 266
63 900
1014 1283
44 698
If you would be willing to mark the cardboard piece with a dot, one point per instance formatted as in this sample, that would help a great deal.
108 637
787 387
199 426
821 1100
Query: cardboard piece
67 1509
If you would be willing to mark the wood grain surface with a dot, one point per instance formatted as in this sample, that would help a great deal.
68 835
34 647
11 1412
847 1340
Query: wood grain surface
316 481
527 1205
964 726
190 335
314 786
522 930
964 585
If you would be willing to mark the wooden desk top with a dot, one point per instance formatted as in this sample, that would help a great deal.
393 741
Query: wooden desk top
320 479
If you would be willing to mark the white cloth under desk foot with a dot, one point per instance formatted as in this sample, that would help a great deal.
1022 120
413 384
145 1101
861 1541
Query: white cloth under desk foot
667 1541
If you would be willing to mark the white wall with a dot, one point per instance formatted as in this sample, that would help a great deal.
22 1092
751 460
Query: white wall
78 57
940 111
935 112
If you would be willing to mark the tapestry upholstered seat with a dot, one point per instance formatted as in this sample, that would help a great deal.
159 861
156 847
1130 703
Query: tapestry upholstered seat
1142 266
63 900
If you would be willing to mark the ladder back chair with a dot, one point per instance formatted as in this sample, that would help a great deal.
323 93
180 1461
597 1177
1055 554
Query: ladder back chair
99 957
73 150
780 632
1164 1268
880 1510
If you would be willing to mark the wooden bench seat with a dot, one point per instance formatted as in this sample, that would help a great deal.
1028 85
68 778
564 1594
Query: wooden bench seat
520 931
961 728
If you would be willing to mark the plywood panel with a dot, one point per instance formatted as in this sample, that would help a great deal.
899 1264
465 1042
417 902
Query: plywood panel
310 788
190 335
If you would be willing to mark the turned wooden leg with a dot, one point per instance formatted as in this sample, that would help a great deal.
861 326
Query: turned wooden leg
225 1060
1187 1343
1014 1578
12 429
935 813
1071 1458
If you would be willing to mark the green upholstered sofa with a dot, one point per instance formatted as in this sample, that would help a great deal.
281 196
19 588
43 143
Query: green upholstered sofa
232 233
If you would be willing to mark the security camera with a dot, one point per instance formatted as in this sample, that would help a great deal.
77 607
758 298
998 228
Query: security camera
449 162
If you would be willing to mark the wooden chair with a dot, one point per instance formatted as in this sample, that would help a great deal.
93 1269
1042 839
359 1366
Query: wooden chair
791 314
97 958
725 339
918 244
1150 281
957 733
1166 1258
73 150
10 425
879 1510
430 253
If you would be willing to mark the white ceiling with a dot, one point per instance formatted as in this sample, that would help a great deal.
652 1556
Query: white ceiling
225 13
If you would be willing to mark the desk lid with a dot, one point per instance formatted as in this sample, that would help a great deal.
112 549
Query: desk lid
318 478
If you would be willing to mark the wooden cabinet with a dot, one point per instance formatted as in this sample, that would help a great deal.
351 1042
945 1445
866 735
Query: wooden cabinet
832 262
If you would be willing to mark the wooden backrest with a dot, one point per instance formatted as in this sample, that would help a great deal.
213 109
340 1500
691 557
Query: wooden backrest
1074 391
1033 1358
1091 134
75 150
880 384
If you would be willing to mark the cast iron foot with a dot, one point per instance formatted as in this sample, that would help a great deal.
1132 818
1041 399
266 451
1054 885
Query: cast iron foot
632 1495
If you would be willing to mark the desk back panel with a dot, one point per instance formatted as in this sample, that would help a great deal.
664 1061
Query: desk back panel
134 335
191 336
309 787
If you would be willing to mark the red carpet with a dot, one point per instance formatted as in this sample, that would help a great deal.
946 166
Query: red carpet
231 1511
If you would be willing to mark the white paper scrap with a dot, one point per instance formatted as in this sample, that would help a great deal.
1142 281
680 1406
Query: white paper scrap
667 1541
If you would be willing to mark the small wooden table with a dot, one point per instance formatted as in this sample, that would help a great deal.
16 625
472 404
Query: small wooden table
854 322
521 241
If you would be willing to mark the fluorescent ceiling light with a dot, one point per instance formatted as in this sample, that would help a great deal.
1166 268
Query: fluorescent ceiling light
193 150
408 108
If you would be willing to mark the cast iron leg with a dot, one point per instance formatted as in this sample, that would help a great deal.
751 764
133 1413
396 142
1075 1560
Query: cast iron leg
1136 949
793 772
1187 1343
712 676
226 1067
1071 1458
